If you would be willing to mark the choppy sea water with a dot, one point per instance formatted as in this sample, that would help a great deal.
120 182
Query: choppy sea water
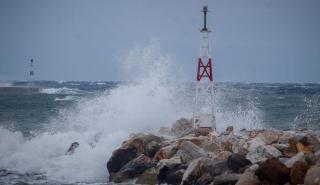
37 129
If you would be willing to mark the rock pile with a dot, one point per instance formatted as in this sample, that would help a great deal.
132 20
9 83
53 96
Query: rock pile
186 155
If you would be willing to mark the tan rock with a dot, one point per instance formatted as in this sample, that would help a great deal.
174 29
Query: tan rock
165 152
223 155
302 148
248 178
269 136
181 125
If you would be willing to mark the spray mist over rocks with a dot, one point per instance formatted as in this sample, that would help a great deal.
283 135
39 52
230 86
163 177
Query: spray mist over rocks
102 122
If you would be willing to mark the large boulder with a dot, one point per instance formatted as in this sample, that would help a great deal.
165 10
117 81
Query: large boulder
262 153
237 162
120 157
312 176
200 166
171 174
272 171
181 125
132 169
147 144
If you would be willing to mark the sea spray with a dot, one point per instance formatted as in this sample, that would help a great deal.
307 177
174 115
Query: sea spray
102 122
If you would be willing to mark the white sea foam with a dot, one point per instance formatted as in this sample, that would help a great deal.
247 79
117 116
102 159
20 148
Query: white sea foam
101 123
66 98
63 90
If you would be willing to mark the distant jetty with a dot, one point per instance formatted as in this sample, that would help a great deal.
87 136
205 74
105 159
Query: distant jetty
19 90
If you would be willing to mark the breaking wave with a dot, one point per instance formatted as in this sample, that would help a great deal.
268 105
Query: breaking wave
101 123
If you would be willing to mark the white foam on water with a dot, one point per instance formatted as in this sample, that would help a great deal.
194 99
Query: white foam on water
101 123
63 90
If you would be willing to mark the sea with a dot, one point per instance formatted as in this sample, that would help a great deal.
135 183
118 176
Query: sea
36 129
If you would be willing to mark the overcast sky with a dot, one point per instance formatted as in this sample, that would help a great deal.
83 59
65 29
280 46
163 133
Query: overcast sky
253 40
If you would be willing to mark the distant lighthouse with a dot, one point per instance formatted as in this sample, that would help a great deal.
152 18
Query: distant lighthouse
203 114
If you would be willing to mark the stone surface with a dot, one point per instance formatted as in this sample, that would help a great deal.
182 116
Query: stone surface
302 148
298 157
254 143
150 177
165 152
269 136
262 153
204 179
181 125
237 162
273 171
297 172
171 175
312 176
191 149
120 157
200 166
223 155
132 169
226 179
248 178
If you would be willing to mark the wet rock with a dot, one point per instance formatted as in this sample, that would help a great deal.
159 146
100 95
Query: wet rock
132 169
166 152
199 141
181 125
298 157
150 177
72 148
229 129
226 179
269 136
191 149
285 136
262 153
272 171
248 178
237 162
223 155
312 176
120 157
281 147
200 166
297 172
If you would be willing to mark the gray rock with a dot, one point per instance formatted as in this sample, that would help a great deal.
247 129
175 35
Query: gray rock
262 153
226 179
200 166
191 149
313 176
298 157
132 169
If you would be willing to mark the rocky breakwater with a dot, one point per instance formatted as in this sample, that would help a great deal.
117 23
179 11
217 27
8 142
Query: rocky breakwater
186 155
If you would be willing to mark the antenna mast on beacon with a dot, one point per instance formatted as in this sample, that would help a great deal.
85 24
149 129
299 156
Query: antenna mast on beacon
203 114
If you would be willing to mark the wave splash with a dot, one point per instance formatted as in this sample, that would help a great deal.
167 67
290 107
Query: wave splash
99 124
